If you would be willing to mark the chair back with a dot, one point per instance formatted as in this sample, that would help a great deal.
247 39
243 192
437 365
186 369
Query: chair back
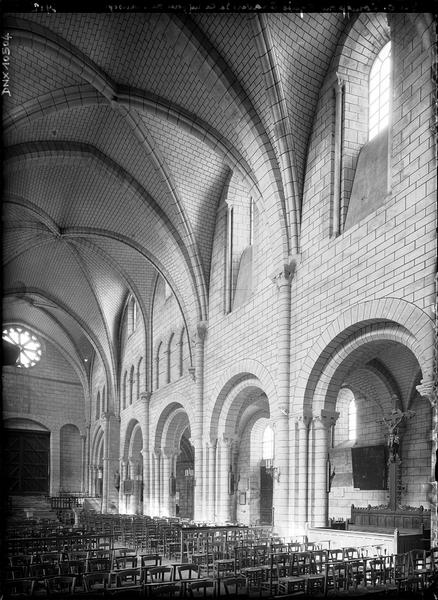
97 581
147 560
131 577
200 588
61 585
160 574
188 571
98 564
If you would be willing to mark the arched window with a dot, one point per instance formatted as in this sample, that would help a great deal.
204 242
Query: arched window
158 366
352 420
98 405
132 315
125 384
131 384
380 92
139 367
240 220
268 444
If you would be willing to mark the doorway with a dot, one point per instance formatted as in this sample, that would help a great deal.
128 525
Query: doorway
266 491
27 455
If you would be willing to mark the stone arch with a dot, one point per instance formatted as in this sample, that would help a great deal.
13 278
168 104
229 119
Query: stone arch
21 423
400 314
244 370
340 361
130 431
171 424
244 398
97 445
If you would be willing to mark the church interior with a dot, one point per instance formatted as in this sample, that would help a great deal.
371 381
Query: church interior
219 299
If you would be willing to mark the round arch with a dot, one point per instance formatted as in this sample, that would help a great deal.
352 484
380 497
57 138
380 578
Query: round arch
401 315
332 375
173 419
246 370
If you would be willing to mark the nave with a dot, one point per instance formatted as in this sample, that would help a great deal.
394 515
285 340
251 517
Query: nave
121 556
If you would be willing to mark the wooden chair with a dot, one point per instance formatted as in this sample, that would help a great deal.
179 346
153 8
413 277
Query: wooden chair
421 566
126 577
98 564
336 576
96 582
160 574
403 577
188 571
201 588
61 585
147 560
124 562
17 588
235 586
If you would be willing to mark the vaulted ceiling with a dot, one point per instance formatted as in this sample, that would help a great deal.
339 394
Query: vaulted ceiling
120 133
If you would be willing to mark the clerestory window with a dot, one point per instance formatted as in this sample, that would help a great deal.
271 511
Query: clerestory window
380 92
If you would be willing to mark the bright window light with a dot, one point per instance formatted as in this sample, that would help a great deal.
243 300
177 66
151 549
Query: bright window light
380 92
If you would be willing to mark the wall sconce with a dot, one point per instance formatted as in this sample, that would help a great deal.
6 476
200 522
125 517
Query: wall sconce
274 472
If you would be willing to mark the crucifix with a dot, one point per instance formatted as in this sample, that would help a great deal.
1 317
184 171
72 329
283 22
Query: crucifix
392 424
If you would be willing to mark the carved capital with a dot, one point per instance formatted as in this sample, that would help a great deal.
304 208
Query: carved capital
326 419
427 390
226 442
145 397
169 452
303 421
340 81
210 443
285 276
192 373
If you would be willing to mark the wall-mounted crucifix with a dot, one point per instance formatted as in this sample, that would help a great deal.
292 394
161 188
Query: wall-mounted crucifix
392 424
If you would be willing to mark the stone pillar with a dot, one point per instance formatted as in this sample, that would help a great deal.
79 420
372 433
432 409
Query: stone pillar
197 432
106 459
303 438
225 447
428 390
155 483
145 398
134 497
168 504
87 459
321 438
211 502
123 466
92 474
281 412
111 442
83 462
55 461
